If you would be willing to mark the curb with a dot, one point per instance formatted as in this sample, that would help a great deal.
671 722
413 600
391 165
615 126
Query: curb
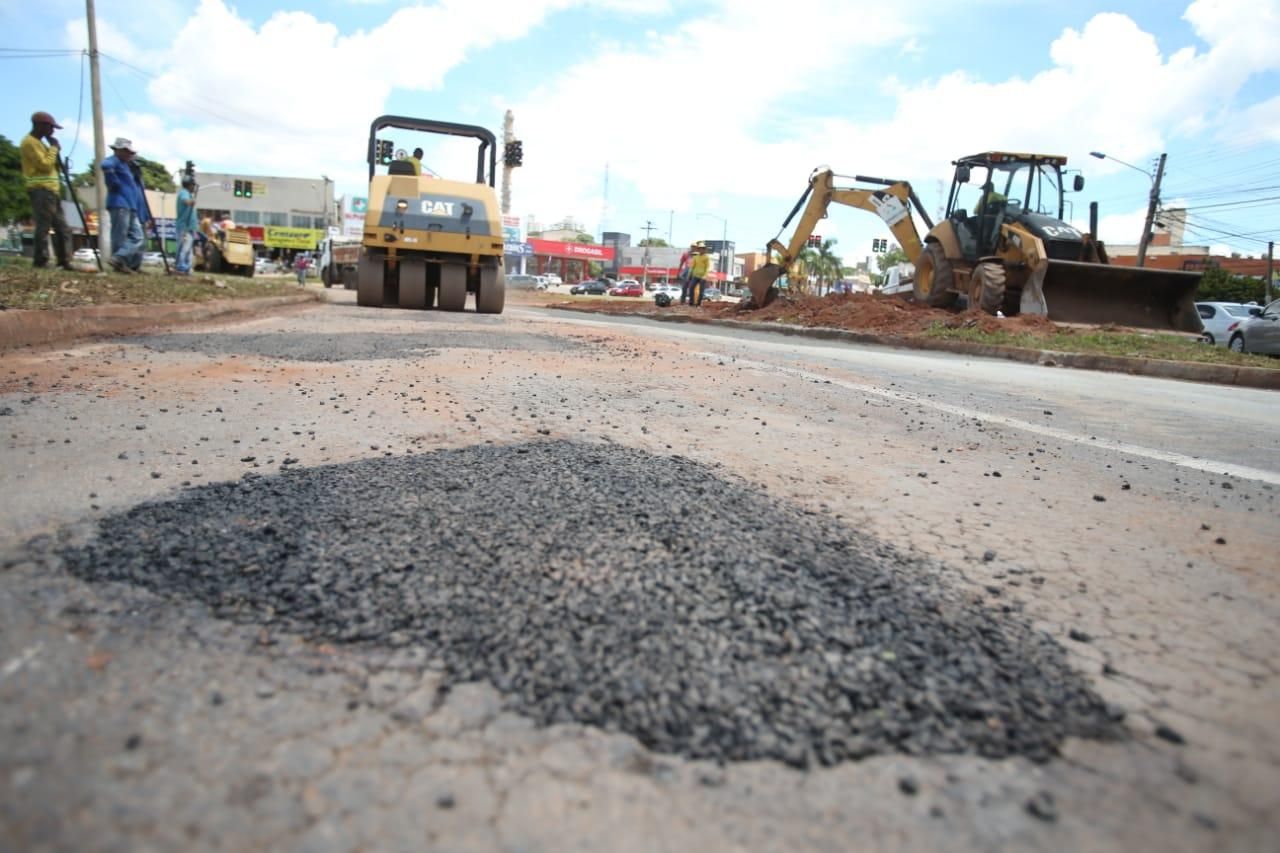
1189 371
27 328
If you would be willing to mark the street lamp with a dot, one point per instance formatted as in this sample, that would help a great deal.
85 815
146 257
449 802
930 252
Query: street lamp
1153 200
724 243
327 205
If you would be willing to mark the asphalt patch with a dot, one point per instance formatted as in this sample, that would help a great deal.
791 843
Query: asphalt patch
608 586
350 346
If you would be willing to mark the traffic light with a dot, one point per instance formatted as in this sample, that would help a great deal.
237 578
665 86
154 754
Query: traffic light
815 240
239 188
513 154
248 188
879 244
384 151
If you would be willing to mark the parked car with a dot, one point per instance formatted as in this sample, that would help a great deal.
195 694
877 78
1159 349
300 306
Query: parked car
552 279
712 294
265 266
1259 333
542 282
627 287
1218 317
523 282
594 287
665 294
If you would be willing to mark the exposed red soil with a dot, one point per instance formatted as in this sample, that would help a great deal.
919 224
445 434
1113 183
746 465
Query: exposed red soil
857 312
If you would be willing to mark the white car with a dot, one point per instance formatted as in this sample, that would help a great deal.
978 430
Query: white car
152 259
524 282
552 279
1218 317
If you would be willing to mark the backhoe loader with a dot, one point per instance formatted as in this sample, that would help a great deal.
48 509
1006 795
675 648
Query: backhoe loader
1003 245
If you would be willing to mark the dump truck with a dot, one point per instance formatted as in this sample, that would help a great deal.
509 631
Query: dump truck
340 261
227 249
428 242
1003 246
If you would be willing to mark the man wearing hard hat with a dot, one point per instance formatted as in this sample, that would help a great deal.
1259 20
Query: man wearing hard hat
39 151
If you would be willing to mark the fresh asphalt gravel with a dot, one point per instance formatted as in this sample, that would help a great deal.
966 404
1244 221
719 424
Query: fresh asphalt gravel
300 346
608 586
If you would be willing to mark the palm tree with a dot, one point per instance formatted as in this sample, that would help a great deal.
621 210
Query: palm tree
829 264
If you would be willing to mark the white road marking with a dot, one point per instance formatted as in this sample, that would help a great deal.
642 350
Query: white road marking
1208 466
20 661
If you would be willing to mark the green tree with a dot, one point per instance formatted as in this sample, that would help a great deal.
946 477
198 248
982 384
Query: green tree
654 242
584 238
154 176
15 206
892 258
1218 285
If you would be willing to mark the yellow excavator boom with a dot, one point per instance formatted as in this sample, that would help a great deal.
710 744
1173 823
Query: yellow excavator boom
892 204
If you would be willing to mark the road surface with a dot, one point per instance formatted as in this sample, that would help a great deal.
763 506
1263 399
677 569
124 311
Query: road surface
339 578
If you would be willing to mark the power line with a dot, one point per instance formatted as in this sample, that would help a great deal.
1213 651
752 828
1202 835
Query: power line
75 139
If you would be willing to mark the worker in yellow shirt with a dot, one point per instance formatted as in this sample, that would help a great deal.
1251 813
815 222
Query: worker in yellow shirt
699 264
416 161
39 151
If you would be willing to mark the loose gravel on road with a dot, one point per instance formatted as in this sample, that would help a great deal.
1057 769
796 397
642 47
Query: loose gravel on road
608 586
349 347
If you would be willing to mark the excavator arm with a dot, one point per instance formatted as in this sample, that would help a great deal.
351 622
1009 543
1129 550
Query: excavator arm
892 204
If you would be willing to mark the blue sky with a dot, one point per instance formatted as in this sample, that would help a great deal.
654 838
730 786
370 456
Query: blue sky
708 116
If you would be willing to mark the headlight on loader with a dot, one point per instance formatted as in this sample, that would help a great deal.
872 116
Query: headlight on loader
402 206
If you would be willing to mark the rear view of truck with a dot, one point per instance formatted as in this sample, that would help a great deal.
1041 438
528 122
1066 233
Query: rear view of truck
428 241
340 261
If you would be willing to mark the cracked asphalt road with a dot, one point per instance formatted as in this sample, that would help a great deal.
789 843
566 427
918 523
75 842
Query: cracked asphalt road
1132 521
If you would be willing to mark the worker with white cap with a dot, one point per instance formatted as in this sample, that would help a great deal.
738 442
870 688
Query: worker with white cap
124 199
39 152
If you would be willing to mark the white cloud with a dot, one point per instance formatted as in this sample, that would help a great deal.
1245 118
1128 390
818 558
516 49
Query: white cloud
731 113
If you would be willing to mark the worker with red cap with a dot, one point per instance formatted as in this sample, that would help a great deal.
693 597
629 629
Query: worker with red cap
39 152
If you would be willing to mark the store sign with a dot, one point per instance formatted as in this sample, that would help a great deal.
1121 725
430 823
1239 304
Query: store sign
517 250
168 230
511 230
359 204
276 237
582 251
353 224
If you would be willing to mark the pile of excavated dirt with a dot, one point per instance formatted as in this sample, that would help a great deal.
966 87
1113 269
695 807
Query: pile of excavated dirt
857 312
797 638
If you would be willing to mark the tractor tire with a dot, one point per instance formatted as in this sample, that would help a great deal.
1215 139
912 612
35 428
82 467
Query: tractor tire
414 292
370 284
493 291
326 277
349 277
213 259
453 287
252 270
988 283
934 281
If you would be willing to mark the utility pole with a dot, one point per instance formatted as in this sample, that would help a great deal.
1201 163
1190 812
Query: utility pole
648 229
99 140
1152 202
1271 245
508 136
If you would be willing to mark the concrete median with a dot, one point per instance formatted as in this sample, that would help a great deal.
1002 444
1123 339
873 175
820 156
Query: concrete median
21 328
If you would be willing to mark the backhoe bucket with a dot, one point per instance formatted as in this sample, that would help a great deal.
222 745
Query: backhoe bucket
1078 292
761 282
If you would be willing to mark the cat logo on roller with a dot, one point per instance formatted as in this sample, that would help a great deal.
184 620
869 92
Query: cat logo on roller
437 208
449 244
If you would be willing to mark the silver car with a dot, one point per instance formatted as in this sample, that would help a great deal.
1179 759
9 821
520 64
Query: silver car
1260 333
1217 317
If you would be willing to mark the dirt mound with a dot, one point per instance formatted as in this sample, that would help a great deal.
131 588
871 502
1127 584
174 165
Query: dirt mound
855 312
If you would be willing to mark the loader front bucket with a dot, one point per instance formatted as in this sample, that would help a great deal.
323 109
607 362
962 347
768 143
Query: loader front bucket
1078 292
761 282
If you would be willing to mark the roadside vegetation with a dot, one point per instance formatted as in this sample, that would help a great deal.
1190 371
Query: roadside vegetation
1105 342
21 286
